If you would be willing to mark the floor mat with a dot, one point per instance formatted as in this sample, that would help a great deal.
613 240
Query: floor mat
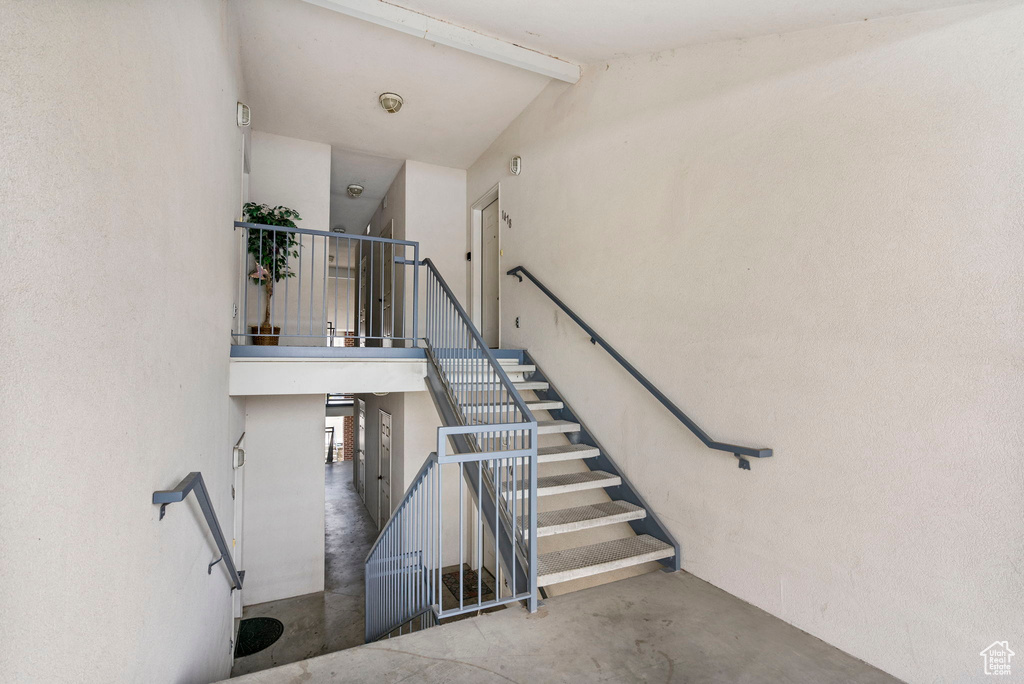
469 586
256 634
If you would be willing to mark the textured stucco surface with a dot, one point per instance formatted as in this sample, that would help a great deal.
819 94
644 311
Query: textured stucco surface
812 242
283 523
120 169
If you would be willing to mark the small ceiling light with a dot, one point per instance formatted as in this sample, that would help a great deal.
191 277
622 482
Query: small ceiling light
391 102
337 229
355 190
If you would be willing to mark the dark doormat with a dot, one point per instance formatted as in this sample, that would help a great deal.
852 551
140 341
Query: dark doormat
469 584
255 634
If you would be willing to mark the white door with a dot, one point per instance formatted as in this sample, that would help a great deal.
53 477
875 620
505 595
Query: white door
384 468
489 274
359 448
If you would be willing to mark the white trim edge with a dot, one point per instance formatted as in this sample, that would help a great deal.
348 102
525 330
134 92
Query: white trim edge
445 33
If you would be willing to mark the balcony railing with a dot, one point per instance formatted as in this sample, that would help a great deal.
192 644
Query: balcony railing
300 287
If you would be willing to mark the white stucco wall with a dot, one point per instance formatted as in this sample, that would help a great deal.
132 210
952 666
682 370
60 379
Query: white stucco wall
296 174
283 526
811 242
120 168
428 205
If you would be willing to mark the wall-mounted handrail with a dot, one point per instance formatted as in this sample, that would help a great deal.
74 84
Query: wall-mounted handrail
738 451
193 482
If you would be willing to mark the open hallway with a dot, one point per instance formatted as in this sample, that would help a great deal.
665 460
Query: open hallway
657 627
330 620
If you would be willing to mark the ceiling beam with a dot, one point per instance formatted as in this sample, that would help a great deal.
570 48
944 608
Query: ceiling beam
446 33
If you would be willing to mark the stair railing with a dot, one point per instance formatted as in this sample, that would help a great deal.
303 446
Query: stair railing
473 503
193 482
741 452
322 285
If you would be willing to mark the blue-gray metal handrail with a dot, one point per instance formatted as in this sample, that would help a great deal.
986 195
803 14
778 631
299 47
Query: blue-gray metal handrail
738 451
494 436
492 360
193 482
313 319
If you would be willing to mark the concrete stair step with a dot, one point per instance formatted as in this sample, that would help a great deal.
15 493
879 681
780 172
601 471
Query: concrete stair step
528 385
584 561
584 517
566 452
551 427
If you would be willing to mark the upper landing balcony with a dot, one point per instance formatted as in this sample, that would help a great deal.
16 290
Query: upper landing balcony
320 312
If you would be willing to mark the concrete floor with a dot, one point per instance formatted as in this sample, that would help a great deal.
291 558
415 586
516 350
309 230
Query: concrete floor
657 627
330 620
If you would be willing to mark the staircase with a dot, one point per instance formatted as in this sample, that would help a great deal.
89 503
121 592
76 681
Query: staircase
592 526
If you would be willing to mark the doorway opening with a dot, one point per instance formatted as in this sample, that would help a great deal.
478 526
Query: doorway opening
485 266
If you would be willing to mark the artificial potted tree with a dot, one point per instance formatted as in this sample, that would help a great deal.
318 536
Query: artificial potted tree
271 251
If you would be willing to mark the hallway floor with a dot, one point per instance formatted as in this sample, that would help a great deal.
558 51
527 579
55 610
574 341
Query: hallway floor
330 620
657 627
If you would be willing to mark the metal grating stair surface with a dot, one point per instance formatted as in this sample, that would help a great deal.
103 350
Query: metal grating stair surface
486 370
532 405
566 452
584 561
585 517
574 482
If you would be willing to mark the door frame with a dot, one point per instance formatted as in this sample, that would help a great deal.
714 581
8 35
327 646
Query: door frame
359 445
381 520
476 222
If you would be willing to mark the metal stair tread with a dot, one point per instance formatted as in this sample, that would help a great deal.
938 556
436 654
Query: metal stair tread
566 452
585 517
573 482
584 561
532 405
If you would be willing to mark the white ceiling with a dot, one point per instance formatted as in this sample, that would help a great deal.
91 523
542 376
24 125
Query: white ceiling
375 174
316 74
586 31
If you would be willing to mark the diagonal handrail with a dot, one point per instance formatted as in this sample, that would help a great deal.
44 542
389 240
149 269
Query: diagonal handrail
738 451
193 482
495 464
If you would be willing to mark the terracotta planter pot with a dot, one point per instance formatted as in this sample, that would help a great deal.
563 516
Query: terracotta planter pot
265 334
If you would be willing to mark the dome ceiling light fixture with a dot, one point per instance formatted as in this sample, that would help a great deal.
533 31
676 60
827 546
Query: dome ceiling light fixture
355 190
391 102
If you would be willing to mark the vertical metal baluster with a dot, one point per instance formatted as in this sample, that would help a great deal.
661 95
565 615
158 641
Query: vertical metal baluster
391 250
337 262
312 275
515 519
245 289
323 302
440 529
479 530
348 288
461 561
369 294
497 540
415 289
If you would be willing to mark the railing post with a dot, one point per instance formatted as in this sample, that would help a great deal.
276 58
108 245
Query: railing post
415 293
